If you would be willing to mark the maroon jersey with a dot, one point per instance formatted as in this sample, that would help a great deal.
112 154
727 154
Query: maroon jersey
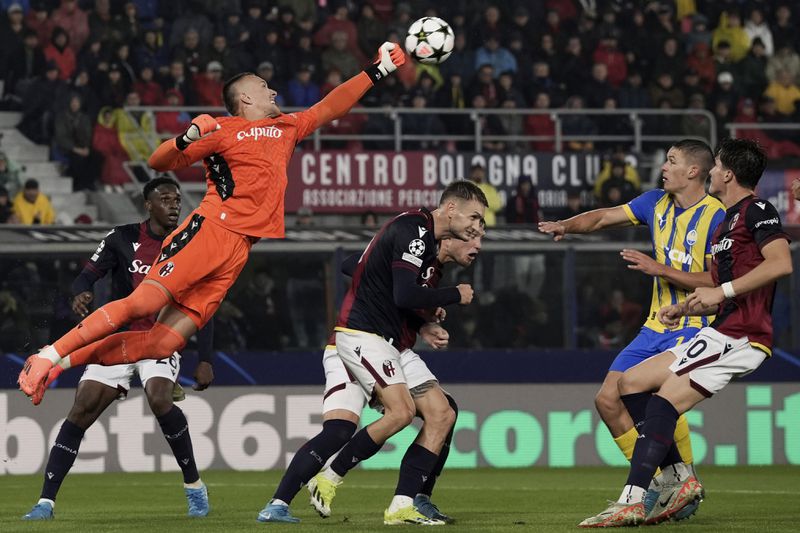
736 250
127 252
429 277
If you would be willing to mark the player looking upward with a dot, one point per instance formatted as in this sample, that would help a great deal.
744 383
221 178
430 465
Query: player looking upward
681 218
750 253
245 156
344 401
127 253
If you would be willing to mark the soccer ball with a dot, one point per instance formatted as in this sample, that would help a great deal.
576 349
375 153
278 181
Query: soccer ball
430 40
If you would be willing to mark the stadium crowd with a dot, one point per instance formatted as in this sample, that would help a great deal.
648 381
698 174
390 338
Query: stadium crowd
71 65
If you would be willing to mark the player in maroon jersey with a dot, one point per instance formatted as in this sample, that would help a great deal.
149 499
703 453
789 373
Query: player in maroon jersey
126 254
750 252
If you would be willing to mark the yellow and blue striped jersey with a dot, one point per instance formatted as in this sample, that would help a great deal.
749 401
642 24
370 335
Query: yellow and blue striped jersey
681 239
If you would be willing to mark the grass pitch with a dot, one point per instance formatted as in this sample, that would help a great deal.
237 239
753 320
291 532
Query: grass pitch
752 499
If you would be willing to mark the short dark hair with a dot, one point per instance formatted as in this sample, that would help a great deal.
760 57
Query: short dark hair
464 190
154 183
697 152
745 158
31 183
229 96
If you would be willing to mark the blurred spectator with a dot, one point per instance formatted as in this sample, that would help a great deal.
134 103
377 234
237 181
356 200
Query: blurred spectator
701 62
176 79
369 219
230 60
93 58
522 24
106 143
73 137
757 28
571 209
304 54
287 29
61 54
338 56
664 89
785 92
74 20
32 207
7 215
609 54
507 89
573 67
691 83
173 122
696 125
208 85
775 148
305 217
371 31
523 205
113 87
752 71
616 125
725 91
513 123
136 129
461 61
477 175
597 89
578 125
122 57
40 22
491 53
541 124
267 325
541 82
254 22
270 49
151 52
621 319
301 90
489 26
101 25
722 58
12 30
489 126
194 19
23 65
339 22
9 175
784 29
38 105
230 26
150 92
484 85
785 59
191 52
722 114
699 34
127 24
617 183
670 60
547 50
731 31
632 95
452 95
422 124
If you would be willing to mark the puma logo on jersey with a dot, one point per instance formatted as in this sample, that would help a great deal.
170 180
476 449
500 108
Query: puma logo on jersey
136 246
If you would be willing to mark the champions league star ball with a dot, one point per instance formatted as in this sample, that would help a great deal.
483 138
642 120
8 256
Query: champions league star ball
430 40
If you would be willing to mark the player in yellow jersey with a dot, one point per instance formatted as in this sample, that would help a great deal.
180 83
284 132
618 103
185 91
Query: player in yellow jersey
682 219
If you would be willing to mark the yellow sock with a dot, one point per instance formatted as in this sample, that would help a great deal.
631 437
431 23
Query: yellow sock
626 442
683 441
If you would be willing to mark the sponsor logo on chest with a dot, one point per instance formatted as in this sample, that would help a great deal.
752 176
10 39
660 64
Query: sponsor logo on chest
257 132
722 246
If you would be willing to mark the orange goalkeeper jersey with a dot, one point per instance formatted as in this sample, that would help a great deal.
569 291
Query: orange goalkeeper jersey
246 170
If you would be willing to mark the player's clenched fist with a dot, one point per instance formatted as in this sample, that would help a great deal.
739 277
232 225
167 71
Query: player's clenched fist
670 315
390 56
201 126
465 289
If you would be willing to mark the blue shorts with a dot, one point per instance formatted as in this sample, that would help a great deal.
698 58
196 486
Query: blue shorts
647 344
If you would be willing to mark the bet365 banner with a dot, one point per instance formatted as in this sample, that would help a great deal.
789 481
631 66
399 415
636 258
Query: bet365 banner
502 426
391 182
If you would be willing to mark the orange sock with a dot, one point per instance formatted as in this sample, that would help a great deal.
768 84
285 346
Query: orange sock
128 347
146 300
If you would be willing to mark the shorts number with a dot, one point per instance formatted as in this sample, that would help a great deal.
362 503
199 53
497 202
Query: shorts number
696 349
172 360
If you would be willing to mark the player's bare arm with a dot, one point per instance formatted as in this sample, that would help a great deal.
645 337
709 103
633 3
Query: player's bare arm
341 99
649 266
777 264
591 221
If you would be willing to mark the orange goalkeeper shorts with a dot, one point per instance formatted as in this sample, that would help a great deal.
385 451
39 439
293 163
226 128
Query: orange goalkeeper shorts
198 263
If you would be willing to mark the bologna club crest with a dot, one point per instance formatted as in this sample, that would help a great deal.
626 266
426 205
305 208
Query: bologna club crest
388 368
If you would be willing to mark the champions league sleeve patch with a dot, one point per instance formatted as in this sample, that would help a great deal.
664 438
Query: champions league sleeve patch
416 249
